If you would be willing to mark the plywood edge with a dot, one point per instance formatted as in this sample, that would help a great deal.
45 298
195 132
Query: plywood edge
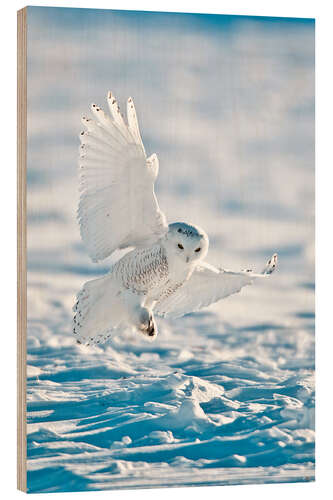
21 247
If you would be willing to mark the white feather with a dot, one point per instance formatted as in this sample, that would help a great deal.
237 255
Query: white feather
207 285
118 207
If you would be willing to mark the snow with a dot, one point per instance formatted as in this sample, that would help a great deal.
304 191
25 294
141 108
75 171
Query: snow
224 396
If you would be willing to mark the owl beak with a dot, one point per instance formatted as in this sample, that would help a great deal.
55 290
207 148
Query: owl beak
187 259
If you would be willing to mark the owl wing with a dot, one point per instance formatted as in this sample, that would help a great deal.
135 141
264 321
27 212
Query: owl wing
118 207
207 285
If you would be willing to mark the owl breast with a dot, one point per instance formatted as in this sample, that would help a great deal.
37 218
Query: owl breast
147 271
143 271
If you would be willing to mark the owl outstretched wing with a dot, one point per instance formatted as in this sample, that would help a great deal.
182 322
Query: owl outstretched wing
118 207
207 285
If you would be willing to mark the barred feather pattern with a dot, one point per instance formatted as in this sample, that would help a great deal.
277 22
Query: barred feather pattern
143 270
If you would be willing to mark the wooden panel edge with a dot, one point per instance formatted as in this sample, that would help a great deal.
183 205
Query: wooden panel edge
21 247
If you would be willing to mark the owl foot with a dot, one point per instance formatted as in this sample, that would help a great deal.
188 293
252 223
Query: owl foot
148 327
151 329
271 265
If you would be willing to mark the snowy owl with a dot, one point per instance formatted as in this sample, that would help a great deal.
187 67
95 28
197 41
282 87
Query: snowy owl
164 272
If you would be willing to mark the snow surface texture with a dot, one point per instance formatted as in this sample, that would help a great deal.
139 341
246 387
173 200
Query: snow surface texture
223 396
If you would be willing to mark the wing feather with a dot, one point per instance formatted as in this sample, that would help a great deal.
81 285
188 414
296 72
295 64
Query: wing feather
118 207
207 285
133 122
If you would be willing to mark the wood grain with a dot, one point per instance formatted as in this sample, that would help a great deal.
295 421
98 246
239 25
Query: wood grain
21 247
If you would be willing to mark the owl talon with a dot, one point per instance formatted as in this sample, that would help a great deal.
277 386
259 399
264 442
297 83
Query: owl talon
149 328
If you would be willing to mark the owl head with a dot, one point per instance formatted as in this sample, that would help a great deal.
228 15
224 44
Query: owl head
189 243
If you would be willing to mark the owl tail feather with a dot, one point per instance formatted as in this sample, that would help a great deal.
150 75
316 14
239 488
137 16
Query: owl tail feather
98 311
103 309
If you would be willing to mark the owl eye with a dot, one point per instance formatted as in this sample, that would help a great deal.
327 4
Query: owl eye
197 249
180 246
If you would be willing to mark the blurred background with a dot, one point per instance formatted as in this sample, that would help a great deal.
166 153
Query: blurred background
227 103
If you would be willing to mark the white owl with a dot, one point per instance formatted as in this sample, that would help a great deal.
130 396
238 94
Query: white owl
165 274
